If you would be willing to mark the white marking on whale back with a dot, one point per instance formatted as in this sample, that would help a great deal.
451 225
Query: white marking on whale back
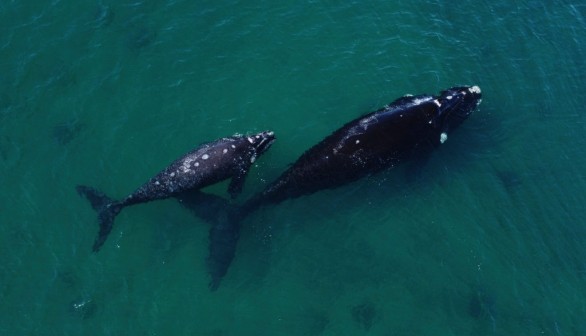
225 150
443 137
252 159
233 146
418 101
196 164
357 142
368 121
438 103
205 156
251 140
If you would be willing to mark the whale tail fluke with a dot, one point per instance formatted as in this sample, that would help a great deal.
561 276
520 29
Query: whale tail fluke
223 236
107 209
224 219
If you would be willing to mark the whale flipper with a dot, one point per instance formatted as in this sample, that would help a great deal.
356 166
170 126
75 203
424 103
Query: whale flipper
236 184
204 205
107 209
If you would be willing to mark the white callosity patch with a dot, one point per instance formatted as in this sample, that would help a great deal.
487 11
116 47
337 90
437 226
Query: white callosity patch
474 89
205 157
252 159
443 137
196 164
233 146
186 166
438 103
225 150
251 140
357 142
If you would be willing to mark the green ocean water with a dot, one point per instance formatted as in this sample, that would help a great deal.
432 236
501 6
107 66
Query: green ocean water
489 240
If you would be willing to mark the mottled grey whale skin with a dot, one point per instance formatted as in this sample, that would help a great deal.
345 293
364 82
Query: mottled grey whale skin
379 140
205 165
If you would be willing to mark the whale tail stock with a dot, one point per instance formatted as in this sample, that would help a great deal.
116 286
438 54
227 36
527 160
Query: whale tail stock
107 209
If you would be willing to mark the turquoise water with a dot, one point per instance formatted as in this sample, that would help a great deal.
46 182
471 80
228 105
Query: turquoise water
488 241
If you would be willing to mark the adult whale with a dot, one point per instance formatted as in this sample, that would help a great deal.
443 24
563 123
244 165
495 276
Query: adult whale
376 141
379 140
205 165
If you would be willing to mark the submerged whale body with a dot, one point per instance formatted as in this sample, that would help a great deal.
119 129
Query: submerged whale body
223 234
205 165
376 141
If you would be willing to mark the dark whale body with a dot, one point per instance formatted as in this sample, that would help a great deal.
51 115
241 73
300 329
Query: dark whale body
376 141
205 165
369 144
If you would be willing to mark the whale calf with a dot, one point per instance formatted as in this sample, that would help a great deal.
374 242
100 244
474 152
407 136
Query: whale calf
209 163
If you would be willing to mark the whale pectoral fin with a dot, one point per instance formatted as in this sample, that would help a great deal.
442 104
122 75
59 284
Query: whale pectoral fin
204 205
237 183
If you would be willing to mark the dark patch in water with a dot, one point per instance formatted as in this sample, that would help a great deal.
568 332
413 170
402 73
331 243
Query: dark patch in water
103 16
481 305
68 278
509 179
217 332
83 307
5 101
364 314
140 38
10 152
4 141
65 132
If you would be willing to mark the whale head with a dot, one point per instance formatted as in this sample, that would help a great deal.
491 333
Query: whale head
262 141
456 104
